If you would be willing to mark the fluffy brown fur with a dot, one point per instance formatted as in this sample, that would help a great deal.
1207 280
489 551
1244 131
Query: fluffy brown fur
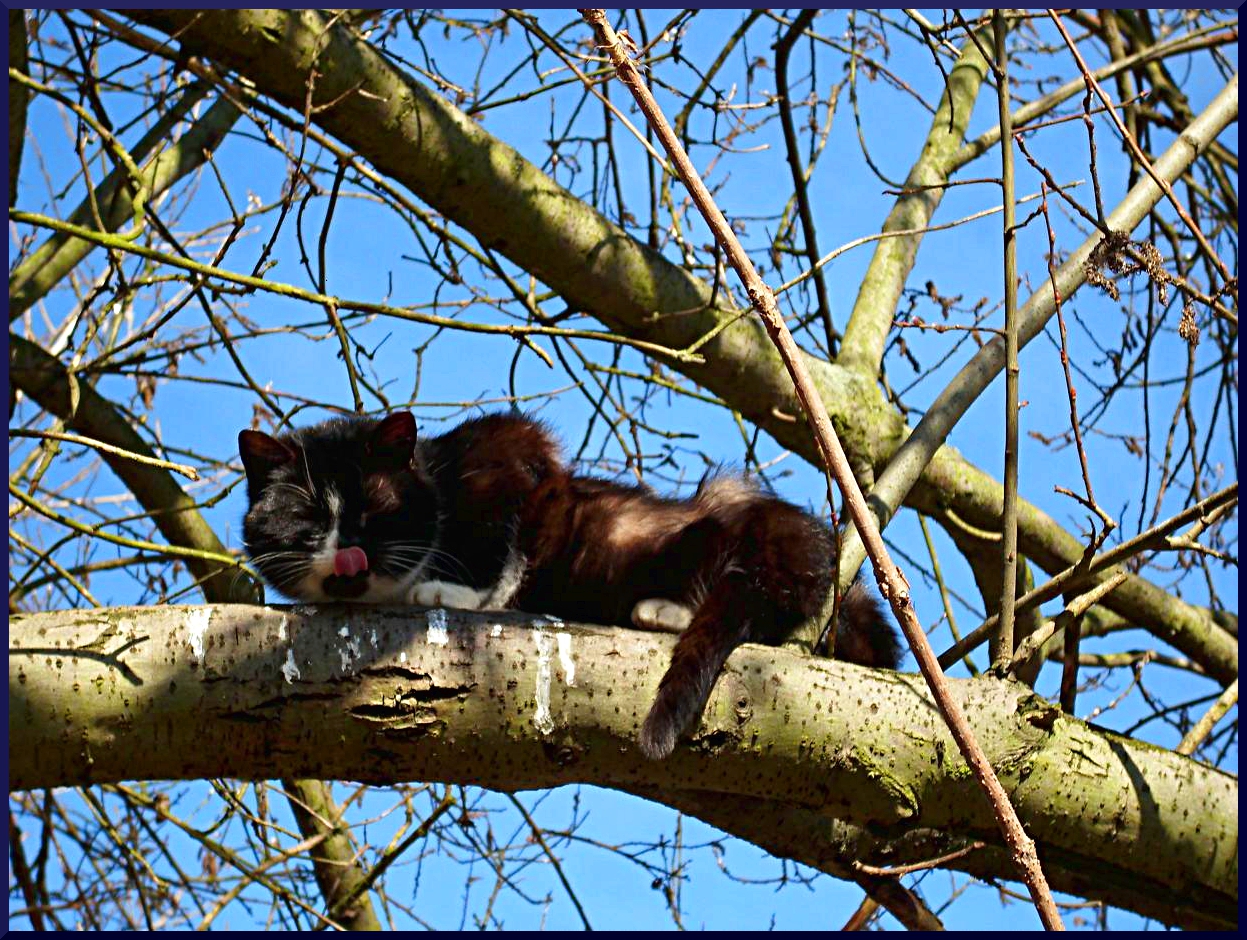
749 566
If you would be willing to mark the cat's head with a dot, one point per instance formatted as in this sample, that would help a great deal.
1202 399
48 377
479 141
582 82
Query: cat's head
343 510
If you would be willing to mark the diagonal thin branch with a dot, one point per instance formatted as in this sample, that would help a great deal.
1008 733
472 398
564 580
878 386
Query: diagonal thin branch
58 255
891 581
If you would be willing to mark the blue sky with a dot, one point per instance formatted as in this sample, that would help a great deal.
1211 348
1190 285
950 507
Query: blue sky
367 246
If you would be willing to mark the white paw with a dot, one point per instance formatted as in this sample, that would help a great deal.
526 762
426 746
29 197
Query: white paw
663 615
442 594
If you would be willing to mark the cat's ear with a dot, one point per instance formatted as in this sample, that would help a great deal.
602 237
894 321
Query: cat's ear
261 455
393 440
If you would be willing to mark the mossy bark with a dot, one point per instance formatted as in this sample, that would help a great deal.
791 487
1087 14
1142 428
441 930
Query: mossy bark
513 702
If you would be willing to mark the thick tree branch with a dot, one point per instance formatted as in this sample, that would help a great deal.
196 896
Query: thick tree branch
875 307
513 702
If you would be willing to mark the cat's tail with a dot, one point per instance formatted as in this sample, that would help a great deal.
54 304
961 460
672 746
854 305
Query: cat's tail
695 663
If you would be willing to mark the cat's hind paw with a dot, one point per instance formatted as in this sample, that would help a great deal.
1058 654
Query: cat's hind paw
661 615
443 594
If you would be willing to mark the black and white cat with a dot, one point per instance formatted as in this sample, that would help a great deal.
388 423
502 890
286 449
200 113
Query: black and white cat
353 510
487 516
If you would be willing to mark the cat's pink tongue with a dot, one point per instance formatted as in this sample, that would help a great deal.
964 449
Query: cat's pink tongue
350 561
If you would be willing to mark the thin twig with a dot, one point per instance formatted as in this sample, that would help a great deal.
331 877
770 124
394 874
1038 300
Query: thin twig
1139 155
289 290
1203 727
558 868
901 233
189 472
898 870
1009 514
1072 612
96 532
1073 576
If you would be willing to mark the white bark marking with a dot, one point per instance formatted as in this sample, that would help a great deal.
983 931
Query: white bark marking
437 627
565 658
350 652
289 668
541 717
197 625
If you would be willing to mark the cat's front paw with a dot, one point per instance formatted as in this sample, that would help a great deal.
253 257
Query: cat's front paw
442 594
661 615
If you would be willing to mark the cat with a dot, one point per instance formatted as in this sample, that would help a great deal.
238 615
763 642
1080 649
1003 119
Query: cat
487 516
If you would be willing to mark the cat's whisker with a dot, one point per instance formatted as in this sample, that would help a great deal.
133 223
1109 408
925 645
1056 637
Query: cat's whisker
284 566
402 564
436 554
307 468
300 491
286 553
288 566
274 559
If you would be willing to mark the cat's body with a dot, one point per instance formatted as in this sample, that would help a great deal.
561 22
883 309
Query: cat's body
487 517
745 566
